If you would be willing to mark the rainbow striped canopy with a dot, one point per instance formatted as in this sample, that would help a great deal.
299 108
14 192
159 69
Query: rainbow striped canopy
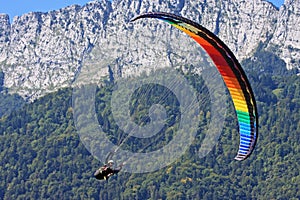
232 73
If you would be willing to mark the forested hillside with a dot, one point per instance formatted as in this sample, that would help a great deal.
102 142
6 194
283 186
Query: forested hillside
8 102
42 156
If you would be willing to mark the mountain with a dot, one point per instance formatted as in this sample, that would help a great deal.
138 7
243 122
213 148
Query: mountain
43 153
43 157
41 52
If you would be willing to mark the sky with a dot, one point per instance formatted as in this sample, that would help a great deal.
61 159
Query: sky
19 7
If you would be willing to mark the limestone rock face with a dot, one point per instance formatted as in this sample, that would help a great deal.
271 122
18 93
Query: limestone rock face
42 52
286 35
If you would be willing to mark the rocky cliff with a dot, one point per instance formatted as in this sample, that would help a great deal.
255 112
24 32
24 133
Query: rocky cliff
41 52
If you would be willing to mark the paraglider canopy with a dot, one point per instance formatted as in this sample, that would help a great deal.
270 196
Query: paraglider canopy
232 73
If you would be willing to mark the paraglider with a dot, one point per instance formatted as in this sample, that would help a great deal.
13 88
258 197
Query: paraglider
106 171
232 73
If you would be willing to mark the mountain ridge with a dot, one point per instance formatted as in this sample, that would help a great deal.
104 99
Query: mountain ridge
42 52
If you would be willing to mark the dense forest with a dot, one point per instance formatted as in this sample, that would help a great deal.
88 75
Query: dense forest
42 156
